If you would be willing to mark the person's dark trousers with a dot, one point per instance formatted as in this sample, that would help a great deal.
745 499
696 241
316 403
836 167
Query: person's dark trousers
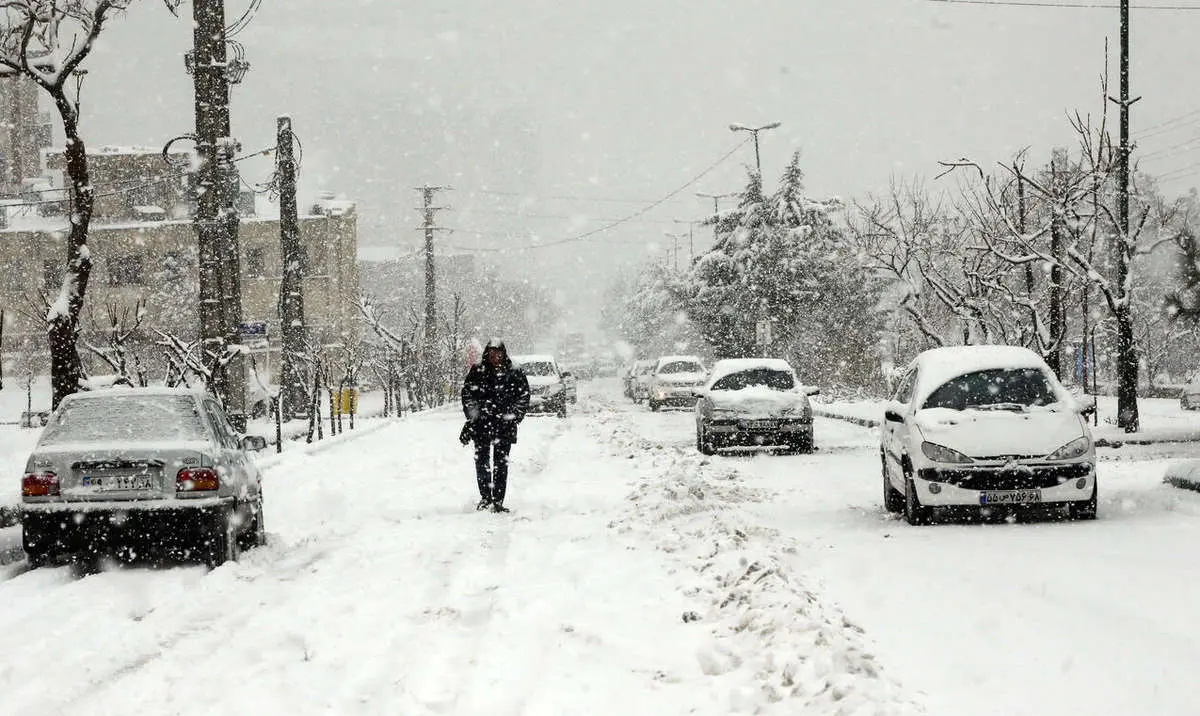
493 481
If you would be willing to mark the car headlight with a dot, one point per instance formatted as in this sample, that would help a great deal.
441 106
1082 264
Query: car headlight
941 453
1076 448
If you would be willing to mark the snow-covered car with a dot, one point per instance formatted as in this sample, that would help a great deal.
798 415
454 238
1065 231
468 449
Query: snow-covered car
756 403
547 383
985 427
1189 397
143 469
643 372
674 381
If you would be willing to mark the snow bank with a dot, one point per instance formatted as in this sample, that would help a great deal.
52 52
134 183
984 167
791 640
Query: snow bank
773 643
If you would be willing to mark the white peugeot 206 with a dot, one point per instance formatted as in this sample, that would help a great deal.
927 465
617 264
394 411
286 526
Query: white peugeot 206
987 427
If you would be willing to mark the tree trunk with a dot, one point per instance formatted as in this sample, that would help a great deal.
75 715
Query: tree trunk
62 321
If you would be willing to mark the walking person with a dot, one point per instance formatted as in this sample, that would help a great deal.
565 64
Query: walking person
495 397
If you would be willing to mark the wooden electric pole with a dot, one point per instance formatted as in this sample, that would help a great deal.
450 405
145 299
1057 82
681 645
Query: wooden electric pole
1127 363
216 214
293 391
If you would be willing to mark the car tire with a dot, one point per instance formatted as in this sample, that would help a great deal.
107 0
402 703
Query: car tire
222 543
1084 509
893 499
37 558
803 446
704 443
654 405
255 534
562 409
914 512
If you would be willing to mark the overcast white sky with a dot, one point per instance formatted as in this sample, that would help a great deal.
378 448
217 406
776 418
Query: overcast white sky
622 101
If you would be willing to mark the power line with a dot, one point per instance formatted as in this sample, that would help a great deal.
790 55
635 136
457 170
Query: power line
639 212
1067 5
561 197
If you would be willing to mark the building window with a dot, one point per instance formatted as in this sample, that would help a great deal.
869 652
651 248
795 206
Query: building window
125 271
52 275
256 262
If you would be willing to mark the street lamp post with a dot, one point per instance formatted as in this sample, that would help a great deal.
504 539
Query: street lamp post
754 133
691 240
716 198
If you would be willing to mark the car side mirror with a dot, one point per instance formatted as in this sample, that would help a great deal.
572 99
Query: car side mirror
812 391
1086 406
697 392
893 417
254 443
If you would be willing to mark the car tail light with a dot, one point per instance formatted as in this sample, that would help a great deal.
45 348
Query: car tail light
40 484
196 479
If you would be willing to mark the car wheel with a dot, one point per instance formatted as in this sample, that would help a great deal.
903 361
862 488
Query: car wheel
37 559
914 512
893 499
222 544
703 442
804 445
654 405
255 534
1084 509
562 409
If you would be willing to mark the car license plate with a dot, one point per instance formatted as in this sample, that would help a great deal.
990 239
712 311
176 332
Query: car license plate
1010 497
119 483
760 424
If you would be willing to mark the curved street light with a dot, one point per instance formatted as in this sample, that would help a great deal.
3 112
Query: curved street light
736 127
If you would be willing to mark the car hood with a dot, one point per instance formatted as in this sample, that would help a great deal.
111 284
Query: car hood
758 401
541 381
986 433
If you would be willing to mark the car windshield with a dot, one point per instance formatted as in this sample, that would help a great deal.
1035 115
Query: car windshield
538 368
776 379
997 389
125 418
681 366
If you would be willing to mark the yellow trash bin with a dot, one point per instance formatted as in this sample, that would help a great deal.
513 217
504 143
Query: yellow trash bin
347 401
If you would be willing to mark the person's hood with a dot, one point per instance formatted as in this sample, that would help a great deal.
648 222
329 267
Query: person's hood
496 344
992 433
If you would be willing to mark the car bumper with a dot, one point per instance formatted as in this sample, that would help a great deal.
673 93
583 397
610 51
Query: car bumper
674 395
54 529
547 403
1002 487
745 433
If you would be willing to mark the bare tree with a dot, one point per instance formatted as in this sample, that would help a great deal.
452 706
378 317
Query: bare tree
121 323
47 41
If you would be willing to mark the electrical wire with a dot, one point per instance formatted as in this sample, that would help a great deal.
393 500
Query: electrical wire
1068 5
244 21
612 225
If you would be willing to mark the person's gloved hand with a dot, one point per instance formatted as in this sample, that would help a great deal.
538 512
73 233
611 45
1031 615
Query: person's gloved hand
509 418
472 412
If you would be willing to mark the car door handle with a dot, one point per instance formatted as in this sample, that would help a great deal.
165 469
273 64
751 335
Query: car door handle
893 417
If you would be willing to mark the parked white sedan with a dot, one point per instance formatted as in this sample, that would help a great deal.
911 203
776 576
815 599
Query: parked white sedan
141 469
754 403
986 427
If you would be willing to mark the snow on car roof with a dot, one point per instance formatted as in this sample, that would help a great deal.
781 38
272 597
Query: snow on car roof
686 359
126 390
938 365
724 367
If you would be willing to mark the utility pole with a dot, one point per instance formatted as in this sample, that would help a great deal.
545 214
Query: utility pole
293 391
216 216
1058 313
430 348
1127 364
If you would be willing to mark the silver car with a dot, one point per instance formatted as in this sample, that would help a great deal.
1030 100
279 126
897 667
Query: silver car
141 469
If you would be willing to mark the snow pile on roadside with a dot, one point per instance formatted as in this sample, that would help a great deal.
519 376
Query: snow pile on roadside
775 645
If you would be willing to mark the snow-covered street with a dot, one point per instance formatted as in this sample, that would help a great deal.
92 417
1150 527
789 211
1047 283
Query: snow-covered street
633 576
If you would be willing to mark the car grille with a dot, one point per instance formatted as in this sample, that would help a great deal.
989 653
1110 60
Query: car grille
1025 477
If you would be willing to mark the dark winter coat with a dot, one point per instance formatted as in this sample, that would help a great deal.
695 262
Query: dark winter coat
495 400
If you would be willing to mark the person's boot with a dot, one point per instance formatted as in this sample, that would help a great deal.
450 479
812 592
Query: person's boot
484 504
499 507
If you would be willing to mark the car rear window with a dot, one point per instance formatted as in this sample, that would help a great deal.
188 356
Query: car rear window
680 366
138 418
777 379
998 388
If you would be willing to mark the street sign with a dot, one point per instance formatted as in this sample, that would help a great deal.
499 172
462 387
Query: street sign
249 329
